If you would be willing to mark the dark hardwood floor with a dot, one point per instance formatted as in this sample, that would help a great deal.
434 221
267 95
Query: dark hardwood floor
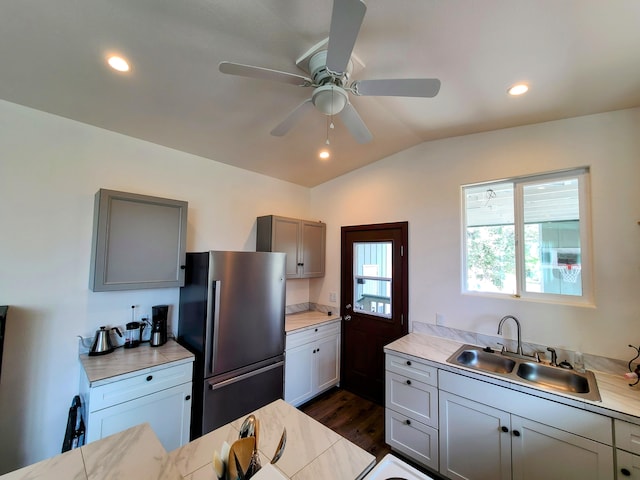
357 419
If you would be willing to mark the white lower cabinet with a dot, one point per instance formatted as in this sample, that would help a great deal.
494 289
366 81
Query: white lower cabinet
484 434
472 441
312 362
160 396
411 413
628 450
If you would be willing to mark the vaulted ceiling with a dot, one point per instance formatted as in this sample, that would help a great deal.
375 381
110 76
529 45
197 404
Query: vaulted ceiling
578 56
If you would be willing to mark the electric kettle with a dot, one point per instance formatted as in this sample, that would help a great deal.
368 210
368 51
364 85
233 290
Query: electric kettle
102 342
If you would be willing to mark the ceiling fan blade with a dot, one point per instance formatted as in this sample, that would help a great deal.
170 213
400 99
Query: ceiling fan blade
354 123
409 87
264 73
292 118
346 20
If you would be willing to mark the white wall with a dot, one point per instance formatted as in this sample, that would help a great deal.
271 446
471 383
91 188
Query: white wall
50 169
422 186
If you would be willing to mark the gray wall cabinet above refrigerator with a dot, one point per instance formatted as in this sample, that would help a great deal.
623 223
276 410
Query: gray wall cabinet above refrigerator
138 242
302 240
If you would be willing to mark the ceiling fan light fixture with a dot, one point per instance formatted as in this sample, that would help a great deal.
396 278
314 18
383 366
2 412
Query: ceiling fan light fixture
518 89
324 154
329 99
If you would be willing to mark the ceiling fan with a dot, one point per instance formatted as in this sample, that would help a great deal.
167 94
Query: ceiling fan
330 69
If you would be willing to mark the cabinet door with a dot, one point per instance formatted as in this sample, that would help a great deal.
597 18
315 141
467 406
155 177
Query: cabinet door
327 362
313 249
298 374
473 444
628 465
138 242
286 238
168 412
540 451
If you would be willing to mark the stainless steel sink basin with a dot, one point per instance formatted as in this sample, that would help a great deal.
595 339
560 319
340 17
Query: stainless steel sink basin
545 377
481 360
553 377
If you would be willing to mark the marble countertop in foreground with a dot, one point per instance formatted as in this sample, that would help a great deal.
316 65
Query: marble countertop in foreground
312 452
302 320
619 400
131 360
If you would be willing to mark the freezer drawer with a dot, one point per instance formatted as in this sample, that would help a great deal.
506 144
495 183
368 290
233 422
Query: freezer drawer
238 396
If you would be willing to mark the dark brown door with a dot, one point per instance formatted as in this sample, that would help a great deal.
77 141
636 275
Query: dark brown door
374 286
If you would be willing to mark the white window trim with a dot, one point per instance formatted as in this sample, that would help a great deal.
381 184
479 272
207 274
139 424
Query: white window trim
586 244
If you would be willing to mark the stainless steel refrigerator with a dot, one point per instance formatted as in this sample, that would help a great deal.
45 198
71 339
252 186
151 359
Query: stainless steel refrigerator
232 318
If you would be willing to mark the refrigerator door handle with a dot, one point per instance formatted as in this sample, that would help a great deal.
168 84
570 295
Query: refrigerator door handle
239 378
211 329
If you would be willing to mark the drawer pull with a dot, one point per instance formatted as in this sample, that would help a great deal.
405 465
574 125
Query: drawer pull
516 433
625 472
504 429
316 329
408 422
408 382
408 362
149 378
187 398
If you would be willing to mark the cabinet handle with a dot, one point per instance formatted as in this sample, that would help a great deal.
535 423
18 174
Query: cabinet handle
408 422
183 267
313 351
149 378
301 264
188 397
408 382
408 362
516 433
316 329
625 472
504 429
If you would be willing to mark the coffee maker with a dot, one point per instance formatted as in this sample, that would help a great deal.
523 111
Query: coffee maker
159 315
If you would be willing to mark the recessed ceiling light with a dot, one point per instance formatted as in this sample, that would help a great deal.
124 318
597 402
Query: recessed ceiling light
118 63
324 154
518 89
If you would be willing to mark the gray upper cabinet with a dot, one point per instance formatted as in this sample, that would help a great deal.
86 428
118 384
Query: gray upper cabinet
302 240
138 242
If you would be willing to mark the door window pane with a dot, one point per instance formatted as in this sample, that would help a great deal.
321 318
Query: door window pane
372 278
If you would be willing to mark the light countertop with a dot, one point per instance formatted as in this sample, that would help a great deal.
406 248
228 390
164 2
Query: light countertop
133 361
311 318
312 452
619 400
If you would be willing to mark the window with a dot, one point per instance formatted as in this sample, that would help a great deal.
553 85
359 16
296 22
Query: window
528 237
372 278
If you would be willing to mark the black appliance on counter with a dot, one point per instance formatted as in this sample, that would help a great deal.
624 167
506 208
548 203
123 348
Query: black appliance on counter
159 315
232 318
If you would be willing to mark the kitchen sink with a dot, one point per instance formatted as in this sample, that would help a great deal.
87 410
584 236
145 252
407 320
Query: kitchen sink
546 377
486 361
554 377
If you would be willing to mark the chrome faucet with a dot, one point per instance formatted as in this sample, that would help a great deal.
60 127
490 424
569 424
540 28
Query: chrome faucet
502 320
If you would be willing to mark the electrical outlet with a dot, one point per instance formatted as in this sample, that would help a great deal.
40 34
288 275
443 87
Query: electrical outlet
440 319
333 297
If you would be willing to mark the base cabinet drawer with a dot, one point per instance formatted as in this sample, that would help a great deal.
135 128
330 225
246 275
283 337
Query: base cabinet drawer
416 440
628 465
412 398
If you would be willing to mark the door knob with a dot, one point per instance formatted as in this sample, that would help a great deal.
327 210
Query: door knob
347 318
347 306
